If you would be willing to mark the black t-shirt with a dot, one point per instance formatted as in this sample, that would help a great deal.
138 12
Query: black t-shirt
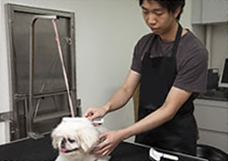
191 58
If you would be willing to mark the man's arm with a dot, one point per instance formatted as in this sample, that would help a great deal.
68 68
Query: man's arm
121 97
175 99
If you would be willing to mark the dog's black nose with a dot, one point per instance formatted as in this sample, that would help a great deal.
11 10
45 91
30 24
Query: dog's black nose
63 142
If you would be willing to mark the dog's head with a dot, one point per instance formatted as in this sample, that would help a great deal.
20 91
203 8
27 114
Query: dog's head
74 135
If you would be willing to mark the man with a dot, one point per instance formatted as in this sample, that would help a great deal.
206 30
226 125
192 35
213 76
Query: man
171 66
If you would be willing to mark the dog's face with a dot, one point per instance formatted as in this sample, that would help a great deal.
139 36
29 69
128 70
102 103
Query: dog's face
74 136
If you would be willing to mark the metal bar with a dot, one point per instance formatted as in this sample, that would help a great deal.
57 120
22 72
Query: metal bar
45 94
73 68
49 94
30 116
51 116
38 102
39 95
5 116
42 11
12 68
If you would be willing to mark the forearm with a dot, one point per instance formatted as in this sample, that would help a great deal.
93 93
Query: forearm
151 121
122 96
118 100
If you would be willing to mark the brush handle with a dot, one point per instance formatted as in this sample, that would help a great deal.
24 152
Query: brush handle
171 157
158 155
98 121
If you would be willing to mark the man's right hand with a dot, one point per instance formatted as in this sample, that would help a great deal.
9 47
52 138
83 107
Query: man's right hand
94 113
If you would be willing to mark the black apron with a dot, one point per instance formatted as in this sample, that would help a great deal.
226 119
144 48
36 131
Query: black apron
158 75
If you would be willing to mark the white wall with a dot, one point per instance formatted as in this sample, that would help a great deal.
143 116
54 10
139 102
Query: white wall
219 48
187 15
106 32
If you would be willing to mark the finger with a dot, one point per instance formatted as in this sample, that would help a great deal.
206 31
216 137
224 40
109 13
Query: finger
87 113
100 152
103 135
106 153
96 124
91 116
97 151
101 145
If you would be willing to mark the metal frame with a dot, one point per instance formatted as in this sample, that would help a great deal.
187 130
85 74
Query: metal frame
29 97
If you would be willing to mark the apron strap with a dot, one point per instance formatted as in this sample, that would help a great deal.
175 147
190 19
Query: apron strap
177 40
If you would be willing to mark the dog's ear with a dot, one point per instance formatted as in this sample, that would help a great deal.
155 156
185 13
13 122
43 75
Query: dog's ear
88 138
55 140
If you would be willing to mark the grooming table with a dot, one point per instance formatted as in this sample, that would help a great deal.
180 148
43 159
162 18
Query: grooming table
41 150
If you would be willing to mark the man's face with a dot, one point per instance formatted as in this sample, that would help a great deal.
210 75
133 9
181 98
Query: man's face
156 17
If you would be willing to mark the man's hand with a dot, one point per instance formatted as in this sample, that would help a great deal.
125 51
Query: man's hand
111 141
94 113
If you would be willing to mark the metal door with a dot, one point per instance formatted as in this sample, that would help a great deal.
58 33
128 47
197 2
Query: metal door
49 97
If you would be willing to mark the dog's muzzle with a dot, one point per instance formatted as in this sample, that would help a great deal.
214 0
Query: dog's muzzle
63 148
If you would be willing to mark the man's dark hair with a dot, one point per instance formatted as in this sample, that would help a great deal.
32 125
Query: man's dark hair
170 5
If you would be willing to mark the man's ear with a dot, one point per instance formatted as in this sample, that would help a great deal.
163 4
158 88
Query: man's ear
177 12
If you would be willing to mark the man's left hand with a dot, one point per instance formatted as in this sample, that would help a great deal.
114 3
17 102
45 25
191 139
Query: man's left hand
111 141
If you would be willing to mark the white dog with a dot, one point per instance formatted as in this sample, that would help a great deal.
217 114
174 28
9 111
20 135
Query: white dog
75 138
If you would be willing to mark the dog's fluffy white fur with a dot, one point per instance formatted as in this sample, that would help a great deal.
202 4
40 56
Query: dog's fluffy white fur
75 138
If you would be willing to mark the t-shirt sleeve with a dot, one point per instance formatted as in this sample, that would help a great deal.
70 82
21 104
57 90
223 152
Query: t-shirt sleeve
136 60
192 75
139 51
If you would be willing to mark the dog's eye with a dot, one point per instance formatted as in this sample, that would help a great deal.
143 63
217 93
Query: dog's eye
71 140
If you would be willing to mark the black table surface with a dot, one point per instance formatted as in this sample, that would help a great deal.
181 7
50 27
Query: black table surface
41 150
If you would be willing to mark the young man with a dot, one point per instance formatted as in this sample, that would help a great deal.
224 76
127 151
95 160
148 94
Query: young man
171 66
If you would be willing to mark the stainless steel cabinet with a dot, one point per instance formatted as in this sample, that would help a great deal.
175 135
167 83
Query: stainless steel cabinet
212 120
209 11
